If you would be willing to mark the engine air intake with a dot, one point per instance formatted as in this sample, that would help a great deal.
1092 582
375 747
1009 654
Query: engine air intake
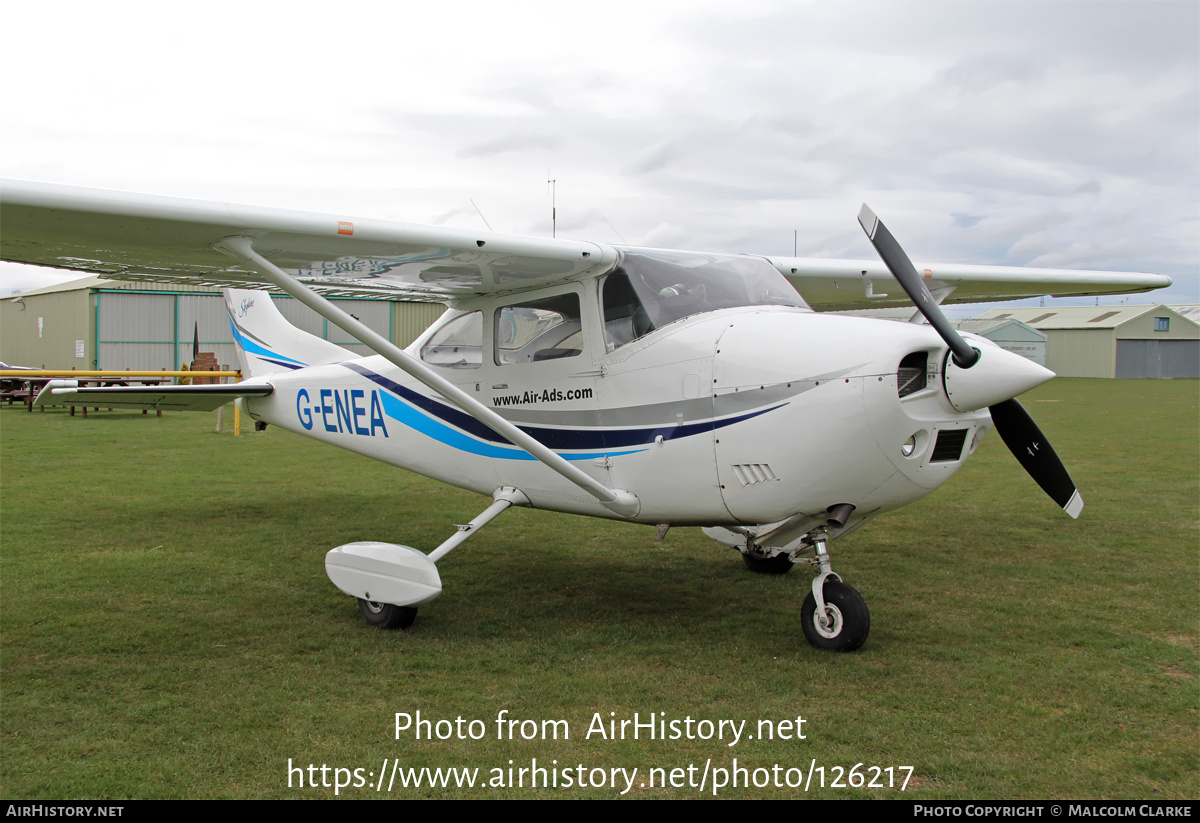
910 377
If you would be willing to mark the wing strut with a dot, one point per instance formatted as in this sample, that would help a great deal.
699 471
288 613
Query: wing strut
618 501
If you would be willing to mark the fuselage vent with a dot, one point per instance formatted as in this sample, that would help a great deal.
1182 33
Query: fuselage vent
750 473
949 446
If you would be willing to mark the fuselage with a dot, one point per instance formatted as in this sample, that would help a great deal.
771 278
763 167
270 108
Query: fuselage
746 414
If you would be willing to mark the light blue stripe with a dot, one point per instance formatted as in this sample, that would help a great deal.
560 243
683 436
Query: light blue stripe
418 421
252 347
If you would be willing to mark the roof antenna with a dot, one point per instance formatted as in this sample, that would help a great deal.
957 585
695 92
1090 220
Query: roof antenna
614 228
552 187
481 217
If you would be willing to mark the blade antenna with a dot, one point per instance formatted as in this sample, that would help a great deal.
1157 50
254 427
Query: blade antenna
614 228
481 217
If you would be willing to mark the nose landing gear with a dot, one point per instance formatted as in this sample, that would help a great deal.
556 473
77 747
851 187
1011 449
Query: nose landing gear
834 616
844 623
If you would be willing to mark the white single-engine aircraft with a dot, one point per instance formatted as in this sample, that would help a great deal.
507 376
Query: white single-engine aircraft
660 387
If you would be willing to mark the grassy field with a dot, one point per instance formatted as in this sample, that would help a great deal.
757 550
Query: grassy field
167 629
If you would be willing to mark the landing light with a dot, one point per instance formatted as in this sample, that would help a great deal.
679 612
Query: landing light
909 446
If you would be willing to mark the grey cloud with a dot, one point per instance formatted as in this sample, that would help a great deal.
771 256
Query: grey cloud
513 143
990 119
655 158
981 72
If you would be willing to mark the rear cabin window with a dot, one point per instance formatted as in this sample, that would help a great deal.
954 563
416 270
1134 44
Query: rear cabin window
458 344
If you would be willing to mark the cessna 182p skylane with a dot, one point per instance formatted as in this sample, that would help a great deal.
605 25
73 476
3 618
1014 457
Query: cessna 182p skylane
661 387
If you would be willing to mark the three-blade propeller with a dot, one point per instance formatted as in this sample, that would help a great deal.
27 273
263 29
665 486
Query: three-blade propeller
1016 427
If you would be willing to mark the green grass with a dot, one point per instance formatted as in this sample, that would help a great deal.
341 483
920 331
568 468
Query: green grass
167 629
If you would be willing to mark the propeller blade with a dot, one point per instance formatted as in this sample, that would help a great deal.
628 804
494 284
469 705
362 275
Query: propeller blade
902 269
1025 440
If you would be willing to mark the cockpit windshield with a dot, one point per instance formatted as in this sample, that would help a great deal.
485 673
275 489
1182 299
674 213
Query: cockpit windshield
653 288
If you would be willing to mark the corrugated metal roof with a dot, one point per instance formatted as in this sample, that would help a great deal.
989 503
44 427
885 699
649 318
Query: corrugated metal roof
986 327
1190 312
70 285
93 282
1073 317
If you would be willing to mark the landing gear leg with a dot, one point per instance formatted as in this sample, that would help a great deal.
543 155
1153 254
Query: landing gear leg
834 616
390 581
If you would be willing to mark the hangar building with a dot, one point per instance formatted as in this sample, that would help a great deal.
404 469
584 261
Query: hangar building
1009 334
1114 341
107 324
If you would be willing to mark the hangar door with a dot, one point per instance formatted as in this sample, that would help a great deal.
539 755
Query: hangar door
150 331
135 331
1158 358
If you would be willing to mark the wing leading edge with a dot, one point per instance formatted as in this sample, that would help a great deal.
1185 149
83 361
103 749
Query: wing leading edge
835 285
125 236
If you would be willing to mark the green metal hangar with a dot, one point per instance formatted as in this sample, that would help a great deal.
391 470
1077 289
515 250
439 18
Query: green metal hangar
1114 341
106 324
1010 335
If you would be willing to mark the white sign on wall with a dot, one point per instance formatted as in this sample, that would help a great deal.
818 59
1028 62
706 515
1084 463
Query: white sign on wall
79 348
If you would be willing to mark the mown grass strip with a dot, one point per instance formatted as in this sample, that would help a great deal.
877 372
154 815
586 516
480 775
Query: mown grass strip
167 629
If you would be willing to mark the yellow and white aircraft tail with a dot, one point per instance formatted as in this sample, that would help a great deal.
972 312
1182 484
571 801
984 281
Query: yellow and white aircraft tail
267 343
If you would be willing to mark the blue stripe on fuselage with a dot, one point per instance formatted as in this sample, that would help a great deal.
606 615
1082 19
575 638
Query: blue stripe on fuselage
397 409
553 438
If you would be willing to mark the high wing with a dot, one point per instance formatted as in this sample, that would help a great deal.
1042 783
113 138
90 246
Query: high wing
124 236
836 285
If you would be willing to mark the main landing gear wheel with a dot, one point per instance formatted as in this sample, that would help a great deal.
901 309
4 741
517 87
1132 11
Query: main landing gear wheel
386 615
779 564
847 621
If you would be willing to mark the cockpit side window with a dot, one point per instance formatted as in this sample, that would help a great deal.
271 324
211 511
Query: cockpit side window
625 318
546 329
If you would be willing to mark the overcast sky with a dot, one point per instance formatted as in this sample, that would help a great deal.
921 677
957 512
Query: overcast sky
1018 133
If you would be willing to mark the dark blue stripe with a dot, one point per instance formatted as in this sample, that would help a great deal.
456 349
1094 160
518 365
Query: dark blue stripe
292 365
554 438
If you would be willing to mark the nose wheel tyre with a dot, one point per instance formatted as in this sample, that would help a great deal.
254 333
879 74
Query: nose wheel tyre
847 621
386 615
